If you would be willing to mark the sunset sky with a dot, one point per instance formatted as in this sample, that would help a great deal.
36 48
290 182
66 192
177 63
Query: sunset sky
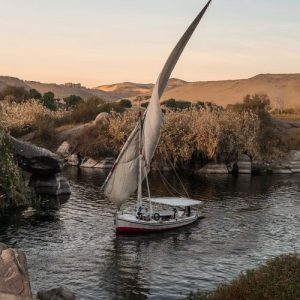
100 42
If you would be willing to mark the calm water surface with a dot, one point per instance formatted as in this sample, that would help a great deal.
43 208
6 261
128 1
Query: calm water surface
72 243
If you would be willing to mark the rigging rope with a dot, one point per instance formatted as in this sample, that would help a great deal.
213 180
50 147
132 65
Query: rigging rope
177 175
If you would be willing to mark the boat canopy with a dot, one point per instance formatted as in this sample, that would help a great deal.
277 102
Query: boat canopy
174 201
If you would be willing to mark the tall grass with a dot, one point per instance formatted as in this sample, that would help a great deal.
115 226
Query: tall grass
214 136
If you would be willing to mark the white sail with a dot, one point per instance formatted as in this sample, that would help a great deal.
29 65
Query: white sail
122 181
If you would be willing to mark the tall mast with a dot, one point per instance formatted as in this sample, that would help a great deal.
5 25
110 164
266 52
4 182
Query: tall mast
139 196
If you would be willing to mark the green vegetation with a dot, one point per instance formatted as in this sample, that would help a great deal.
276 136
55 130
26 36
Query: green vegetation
177 104
278 279
12 189
125 103
72 101
49 101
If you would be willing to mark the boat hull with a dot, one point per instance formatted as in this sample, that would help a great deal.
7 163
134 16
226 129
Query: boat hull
128 224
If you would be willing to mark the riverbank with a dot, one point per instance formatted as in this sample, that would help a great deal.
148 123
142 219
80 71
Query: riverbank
277 279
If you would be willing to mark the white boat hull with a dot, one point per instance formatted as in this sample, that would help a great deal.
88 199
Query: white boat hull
127 223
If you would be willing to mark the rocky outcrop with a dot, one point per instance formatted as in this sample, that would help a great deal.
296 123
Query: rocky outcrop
89 163
214 169
64 149
35 159
289 165
50 185
244 164
101 118
106 163
14 278
56 294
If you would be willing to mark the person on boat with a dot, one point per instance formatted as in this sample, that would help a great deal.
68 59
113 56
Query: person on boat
147 215
175 212
139 212
188 211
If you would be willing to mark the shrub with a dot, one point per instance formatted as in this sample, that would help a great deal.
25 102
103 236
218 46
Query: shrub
125 103
12 188
34 94
72 101
15 93
176 104
21 118
278 279
49 101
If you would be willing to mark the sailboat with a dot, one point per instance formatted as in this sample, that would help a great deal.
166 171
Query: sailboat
132 166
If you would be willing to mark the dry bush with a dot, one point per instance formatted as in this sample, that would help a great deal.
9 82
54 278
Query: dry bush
212 135
277 279
22 117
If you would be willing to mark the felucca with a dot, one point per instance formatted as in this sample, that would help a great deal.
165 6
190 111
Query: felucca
133 163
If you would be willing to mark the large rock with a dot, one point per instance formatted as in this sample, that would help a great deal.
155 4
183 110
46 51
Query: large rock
35 159
293 160
64 149
54 185
214 169
281 168
72 160
106 163
293 155
89 163
259 167
56 294
14 279
244 164
101 118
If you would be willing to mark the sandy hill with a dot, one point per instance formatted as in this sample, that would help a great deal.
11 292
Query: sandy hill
60 90
131 89
283 89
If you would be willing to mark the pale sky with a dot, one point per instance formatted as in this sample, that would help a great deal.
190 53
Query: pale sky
107 41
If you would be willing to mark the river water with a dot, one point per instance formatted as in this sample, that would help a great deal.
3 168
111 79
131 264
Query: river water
72 243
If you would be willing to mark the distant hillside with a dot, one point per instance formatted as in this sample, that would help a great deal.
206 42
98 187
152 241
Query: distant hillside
131 89
283 89
59 90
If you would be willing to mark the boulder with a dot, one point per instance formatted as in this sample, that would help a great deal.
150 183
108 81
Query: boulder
281 168
214 169
244 164
14 278
293 155
89 163
64 149
101 118
293 160
244 157
72 160
232 167
259 167
35 159
106 163
53 185
56 294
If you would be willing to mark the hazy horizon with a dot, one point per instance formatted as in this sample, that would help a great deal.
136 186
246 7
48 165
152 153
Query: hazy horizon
107 42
